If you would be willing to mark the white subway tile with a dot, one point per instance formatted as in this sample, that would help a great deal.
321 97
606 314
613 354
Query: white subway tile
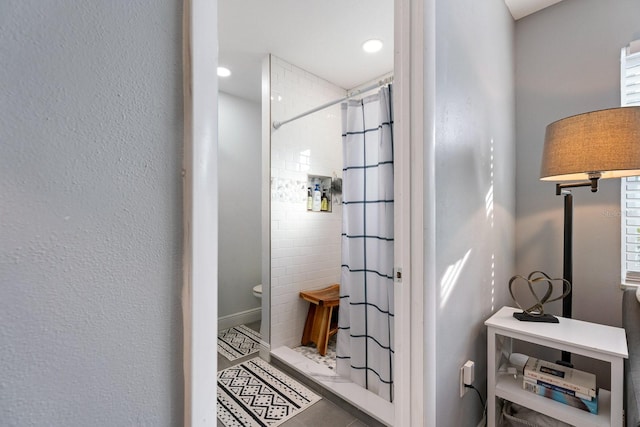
305 246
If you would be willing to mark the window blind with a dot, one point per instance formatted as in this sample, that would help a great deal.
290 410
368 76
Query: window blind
630 187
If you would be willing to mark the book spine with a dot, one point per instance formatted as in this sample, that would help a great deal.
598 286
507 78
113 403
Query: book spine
535 375
590 406
560 389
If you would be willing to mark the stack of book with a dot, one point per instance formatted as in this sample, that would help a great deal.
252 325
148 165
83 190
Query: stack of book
560 383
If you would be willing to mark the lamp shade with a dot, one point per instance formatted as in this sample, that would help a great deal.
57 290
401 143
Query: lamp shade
605 142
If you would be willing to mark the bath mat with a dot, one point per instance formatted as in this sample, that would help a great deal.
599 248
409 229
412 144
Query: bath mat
238 341
254 393
311 352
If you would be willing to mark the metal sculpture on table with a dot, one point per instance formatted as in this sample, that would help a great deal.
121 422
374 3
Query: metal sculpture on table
535 313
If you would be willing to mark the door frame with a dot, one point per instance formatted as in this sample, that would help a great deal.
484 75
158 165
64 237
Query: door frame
200 211
409 296
200 285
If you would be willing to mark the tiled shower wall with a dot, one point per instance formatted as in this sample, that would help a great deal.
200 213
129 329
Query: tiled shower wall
305 246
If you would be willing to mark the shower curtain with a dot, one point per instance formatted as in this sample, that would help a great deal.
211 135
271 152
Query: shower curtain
365 323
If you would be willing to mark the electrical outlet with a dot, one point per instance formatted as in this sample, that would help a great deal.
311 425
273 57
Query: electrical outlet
467 373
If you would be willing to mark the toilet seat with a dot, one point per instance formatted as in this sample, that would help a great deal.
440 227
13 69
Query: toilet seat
257 291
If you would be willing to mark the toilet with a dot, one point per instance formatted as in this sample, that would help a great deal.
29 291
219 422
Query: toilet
257 291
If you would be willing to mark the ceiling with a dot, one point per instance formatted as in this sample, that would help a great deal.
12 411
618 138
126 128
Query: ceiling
521 8
322 37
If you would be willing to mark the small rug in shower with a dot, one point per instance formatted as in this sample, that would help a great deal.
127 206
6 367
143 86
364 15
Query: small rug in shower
311 352
238 341
254 393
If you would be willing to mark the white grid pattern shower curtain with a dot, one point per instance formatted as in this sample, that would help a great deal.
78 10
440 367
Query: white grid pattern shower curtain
365 323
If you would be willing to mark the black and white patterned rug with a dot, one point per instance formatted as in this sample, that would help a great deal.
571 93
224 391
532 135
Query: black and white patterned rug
254 393
238 341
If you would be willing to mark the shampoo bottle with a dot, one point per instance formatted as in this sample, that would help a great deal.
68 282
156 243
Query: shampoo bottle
324 204
317 199
309 199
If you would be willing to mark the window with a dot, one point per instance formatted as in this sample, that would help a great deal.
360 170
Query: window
630 191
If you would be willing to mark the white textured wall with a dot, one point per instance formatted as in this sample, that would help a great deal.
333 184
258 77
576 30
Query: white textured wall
568 62
305 246
90 213
475 200
239 235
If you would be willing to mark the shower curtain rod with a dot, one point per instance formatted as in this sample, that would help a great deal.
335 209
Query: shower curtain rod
276 124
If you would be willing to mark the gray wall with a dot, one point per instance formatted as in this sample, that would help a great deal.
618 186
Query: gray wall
568 62
475 202
239 237
90 213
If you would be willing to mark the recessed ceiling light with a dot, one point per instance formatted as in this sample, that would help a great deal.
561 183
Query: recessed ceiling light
371 46
223 72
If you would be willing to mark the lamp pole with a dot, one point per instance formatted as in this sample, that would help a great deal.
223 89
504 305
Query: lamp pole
567 263
567 267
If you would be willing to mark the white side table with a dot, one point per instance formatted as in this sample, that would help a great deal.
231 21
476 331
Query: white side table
589 339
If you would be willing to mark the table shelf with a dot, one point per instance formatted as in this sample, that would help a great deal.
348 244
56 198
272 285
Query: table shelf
592 340
510 388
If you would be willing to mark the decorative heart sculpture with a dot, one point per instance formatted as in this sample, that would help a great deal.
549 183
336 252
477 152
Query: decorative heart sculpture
535 278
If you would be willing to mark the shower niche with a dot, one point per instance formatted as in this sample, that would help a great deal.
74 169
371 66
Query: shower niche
319 193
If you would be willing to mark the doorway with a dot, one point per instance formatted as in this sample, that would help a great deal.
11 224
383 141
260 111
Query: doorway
403 11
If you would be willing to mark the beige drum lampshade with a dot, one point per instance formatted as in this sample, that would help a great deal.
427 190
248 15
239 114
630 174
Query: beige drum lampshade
604 142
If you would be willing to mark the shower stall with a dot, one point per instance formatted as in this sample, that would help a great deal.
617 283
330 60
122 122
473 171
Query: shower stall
309 249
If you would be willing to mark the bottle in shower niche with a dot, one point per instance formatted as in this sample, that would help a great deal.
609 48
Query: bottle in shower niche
317 199
324 202
309 199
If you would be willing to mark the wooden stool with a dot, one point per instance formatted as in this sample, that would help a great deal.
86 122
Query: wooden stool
318 327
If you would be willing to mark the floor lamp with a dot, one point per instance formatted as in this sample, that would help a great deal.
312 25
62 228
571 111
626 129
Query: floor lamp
583 149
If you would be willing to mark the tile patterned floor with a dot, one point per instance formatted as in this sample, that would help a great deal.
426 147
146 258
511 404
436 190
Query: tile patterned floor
311 352
321 414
